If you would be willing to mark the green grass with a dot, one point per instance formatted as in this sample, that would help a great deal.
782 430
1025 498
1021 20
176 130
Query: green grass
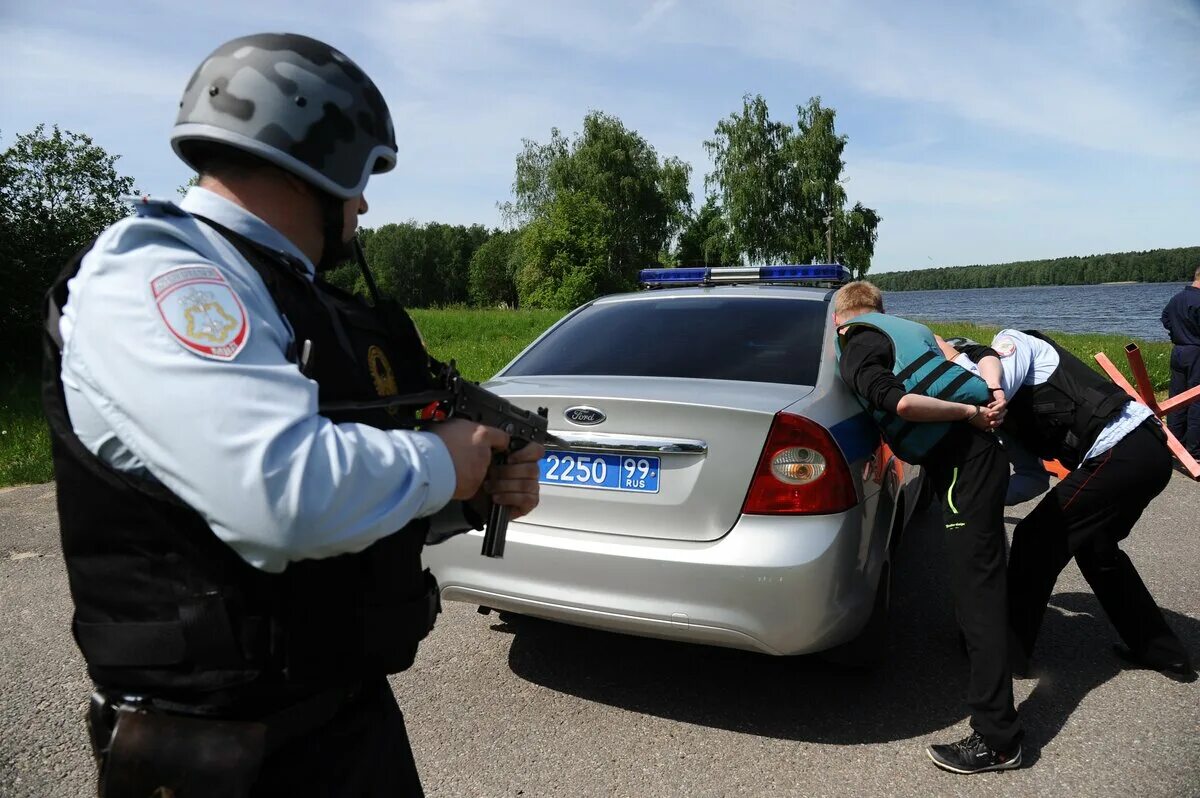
24 437
481 341
1156 355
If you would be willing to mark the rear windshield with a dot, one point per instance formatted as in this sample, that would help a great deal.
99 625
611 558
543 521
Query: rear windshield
750 339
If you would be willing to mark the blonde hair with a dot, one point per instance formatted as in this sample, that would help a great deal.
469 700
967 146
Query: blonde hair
857 297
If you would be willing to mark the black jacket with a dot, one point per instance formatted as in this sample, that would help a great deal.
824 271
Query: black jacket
1181 317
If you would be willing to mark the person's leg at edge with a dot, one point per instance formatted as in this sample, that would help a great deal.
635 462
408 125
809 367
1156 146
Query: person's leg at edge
1191 438
1177 421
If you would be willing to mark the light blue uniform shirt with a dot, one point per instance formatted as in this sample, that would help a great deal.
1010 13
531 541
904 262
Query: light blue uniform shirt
238 440
1025 360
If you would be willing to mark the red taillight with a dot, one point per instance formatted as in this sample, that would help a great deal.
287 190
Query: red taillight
801 472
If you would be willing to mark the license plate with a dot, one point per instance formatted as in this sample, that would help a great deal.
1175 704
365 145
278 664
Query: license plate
602 471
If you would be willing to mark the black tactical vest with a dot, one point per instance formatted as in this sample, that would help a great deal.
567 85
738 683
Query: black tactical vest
163 606
1060 418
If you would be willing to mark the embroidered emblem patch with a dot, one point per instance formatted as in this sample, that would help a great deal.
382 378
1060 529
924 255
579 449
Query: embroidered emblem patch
381 372
382 375
1004 346
202 311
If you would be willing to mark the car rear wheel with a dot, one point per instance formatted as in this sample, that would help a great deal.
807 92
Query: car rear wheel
868 648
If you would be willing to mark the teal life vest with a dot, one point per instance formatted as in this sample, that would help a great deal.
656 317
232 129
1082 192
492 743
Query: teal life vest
923 369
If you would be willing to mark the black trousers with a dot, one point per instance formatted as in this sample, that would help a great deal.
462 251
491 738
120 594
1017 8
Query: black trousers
360 751
363 752
1086 516
969 470
1185 373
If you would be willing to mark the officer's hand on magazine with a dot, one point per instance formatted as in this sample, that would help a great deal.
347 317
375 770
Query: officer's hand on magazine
515 483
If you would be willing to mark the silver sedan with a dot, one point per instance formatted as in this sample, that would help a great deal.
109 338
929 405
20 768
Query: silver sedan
722 485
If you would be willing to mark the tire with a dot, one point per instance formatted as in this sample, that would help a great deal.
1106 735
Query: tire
924 496
867 650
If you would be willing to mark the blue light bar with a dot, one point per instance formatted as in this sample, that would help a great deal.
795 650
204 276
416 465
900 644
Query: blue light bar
673 276
813 273
834 272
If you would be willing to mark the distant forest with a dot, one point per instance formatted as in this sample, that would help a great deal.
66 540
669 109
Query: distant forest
1154 266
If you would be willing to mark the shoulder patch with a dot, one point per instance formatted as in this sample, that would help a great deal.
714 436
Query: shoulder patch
148 206
202 311
1004 346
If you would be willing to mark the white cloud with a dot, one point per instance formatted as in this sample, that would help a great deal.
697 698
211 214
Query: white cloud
1053 79
56 69
882 183
967 121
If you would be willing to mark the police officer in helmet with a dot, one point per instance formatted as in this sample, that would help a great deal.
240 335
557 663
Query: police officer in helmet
245 566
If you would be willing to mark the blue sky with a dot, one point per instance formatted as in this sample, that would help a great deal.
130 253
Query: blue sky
982 132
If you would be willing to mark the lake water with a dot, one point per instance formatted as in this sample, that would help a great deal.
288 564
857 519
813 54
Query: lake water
1132 310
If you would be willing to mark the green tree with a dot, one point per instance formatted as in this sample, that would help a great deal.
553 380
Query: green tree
704 239
748 152
58 190
855 232
608 188
418 265
194 180
1153 266
493 271
565 254
782 189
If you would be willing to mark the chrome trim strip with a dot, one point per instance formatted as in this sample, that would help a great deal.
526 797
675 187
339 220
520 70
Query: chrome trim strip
606 442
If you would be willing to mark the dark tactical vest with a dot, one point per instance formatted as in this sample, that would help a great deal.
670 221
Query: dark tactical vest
1060 418
163 606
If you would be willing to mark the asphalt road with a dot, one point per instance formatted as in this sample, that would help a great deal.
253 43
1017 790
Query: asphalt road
528 708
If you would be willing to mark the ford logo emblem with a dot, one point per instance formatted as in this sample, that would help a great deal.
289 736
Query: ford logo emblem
584 415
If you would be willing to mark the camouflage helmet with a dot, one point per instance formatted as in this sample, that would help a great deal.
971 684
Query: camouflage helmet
295 102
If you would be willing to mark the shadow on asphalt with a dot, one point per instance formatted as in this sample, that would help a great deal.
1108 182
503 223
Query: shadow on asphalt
919 688
1074 656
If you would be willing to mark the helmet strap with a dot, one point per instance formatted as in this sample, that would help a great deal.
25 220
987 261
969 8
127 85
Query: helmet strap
335 250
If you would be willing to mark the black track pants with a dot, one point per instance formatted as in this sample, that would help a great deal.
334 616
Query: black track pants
969 471
1085 516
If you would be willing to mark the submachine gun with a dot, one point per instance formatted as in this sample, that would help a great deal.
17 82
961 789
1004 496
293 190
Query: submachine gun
454 396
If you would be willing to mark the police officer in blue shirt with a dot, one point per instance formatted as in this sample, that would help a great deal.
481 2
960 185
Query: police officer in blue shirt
245 567
1058 408
1181 318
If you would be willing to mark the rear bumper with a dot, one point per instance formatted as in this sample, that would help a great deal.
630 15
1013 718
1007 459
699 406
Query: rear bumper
773 584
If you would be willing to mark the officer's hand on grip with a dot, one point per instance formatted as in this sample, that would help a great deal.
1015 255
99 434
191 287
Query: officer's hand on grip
471 447
515 483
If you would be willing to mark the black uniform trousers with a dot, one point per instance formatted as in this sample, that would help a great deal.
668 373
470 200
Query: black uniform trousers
363 752
1185 373
360 751
1085 516
969 470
